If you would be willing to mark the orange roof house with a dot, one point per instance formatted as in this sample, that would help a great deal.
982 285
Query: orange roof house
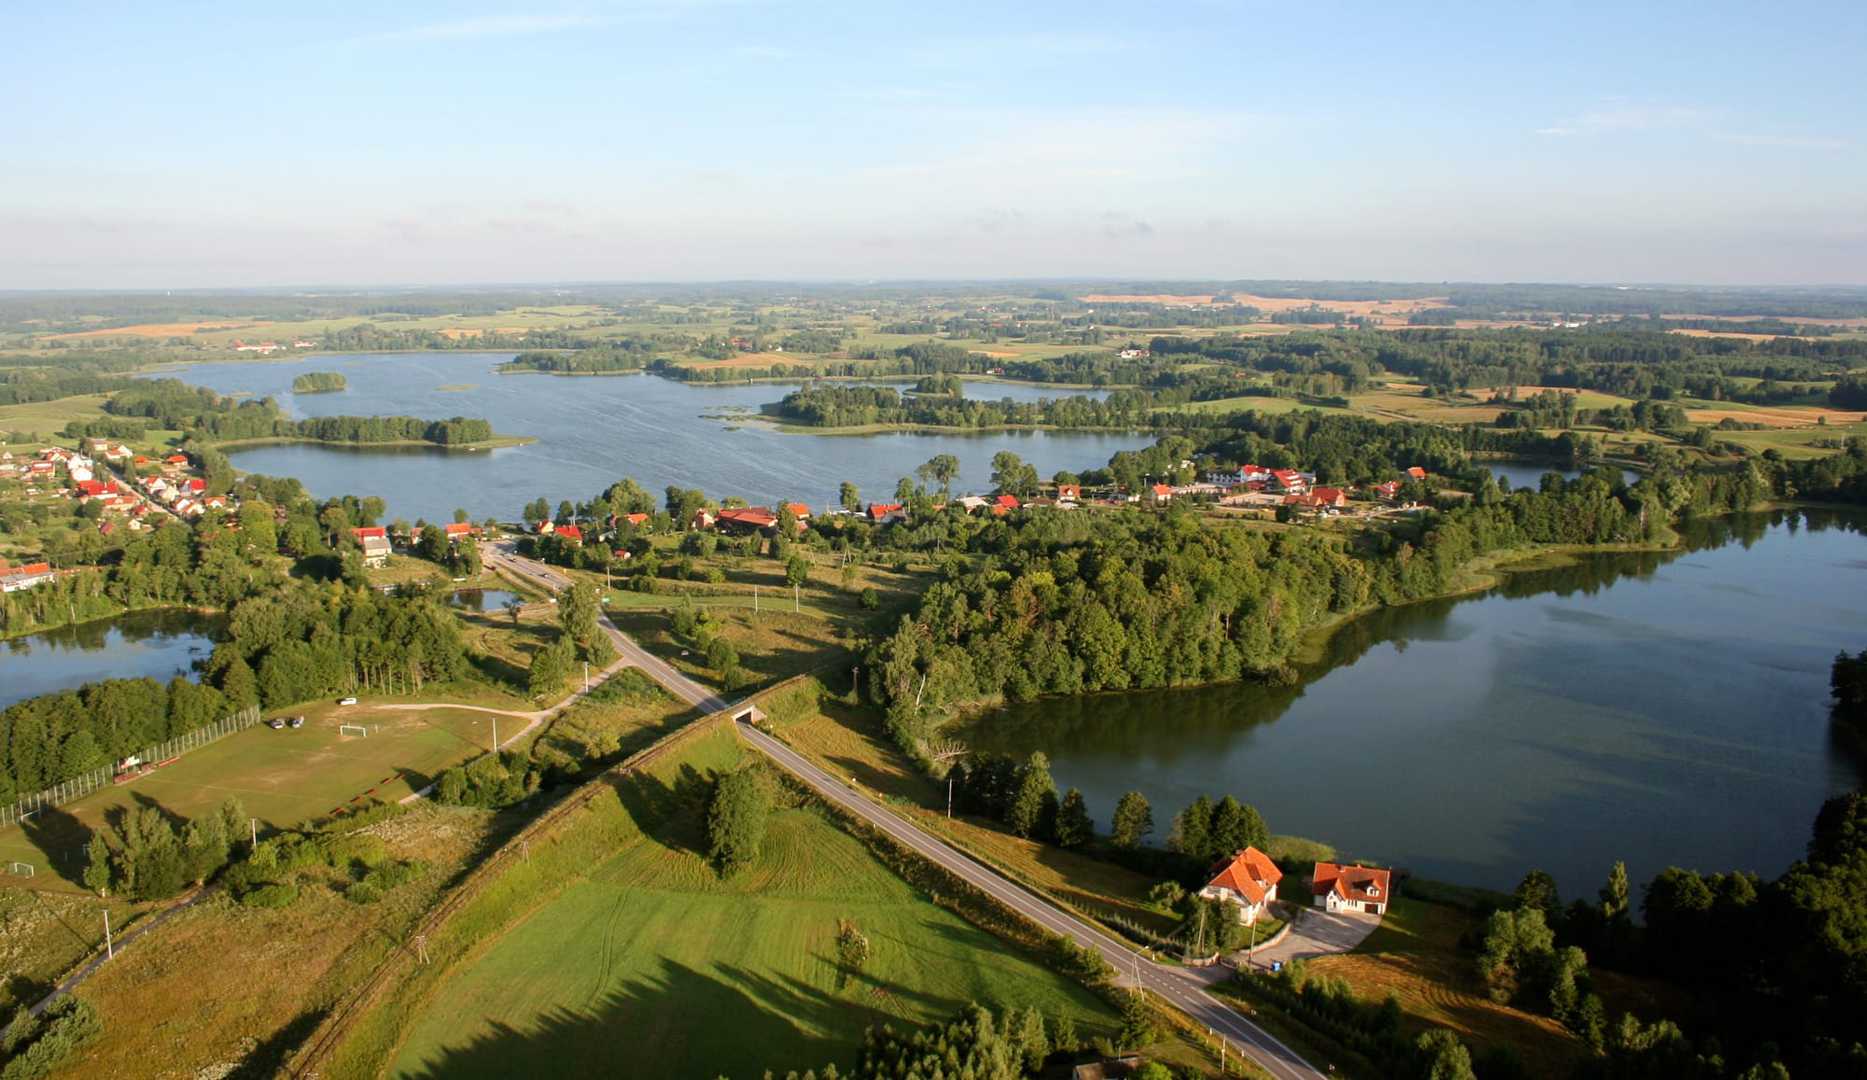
1416 472
800 511
1351 888
571 533
749 518
1248 880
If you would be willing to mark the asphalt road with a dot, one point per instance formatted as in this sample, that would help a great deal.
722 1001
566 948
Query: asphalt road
1183 988
653 666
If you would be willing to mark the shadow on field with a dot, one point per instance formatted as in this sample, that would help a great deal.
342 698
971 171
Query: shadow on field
728 1021
60 837
673 815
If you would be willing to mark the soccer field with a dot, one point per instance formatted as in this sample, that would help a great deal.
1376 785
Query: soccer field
282 777
655 965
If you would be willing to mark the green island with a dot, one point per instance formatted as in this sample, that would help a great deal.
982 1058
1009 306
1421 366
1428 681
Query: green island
467 774
319 382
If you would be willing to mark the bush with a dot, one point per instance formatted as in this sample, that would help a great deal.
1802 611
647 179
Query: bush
271 895
870 599
33 1048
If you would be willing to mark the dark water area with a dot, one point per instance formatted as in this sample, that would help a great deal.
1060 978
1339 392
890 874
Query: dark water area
1663 708
592 431
481 599
156 644
1530 473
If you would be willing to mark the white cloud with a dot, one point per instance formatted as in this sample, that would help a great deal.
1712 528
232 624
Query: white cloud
1626 117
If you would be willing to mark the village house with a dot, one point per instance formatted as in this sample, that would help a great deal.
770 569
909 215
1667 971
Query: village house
1416 472
18 578
885 513
972 504
1350 888
374 539
1069 493
1134 354
1388 490
1159 495
570 534
702 519
456 531
1290 481
747 519
1248 880
1005 504
800 511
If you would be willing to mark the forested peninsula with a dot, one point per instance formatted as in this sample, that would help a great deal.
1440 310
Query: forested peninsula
319 382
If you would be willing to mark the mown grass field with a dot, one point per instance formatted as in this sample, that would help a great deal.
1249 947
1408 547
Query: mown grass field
282 778
652 958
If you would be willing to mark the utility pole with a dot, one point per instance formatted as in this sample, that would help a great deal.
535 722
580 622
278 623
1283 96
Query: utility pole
586 676
495 734
794 595
949 798
253 823
755 599
110 947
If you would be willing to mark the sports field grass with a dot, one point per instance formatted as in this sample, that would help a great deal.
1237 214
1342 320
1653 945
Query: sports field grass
655 965
282 777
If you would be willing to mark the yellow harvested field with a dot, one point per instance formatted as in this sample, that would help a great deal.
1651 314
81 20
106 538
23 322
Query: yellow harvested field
1782 416
1146 298
751 359
157 330
1389 312
1724 334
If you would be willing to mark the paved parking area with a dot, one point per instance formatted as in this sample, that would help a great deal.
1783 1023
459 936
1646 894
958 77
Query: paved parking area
1318 933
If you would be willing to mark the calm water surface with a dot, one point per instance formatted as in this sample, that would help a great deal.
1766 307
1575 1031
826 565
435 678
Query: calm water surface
481 599
593 431
158 644
1664 709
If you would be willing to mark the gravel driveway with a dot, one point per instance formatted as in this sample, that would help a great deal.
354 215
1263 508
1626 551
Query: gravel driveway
1317 933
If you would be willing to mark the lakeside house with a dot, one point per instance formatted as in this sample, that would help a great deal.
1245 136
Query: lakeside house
1248 880
374 540
456 531
1387 490
747 519
17 579
1350 888
1069 493
1159 495
702 519
1005 504
1416 472
884 513
800 511
570 534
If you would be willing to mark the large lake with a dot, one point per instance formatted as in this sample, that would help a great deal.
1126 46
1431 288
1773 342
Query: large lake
157 644
1662 709
594 430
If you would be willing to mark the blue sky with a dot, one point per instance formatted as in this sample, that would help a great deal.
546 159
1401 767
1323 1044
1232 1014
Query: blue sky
221 145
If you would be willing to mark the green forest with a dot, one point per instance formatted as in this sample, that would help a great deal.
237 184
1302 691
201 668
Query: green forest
319 382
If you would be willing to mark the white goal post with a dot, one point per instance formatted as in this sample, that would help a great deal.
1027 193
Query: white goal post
357 730
20 869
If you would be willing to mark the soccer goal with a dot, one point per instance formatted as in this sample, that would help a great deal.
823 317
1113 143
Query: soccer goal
357 730
20 869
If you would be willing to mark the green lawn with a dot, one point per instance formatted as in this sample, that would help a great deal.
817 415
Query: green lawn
655 960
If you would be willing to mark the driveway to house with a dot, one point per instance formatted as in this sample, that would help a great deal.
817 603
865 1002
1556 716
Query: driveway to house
1316 933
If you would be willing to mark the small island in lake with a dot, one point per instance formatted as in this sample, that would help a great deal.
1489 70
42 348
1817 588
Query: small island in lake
319 382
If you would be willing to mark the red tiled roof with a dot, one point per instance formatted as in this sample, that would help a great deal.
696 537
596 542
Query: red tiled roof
369 531
635 519
1329 494
176 459
1416 472
91 487
756 516
1250 874
458 528
1351 882
798 510
1162 489
570 532
878 511
1009 502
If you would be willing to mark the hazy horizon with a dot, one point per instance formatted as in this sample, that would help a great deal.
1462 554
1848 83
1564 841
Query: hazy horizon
705 141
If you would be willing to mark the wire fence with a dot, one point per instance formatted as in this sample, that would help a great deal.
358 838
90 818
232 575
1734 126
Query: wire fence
106 776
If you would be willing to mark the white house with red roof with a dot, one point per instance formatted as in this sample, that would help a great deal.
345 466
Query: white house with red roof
1248 880
1351 888
747 519
883 513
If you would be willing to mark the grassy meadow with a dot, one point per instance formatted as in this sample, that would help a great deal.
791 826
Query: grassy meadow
675 956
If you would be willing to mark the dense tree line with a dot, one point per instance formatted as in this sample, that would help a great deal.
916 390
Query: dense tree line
1835 478
319 382
203 414
1847 681
1067 604
613 355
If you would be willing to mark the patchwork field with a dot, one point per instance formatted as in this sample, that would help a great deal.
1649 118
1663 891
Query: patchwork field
650 957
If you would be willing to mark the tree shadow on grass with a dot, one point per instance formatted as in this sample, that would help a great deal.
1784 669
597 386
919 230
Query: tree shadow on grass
672 814
681 1021
60 837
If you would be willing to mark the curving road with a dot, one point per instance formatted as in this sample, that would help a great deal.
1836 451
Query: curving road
1183 988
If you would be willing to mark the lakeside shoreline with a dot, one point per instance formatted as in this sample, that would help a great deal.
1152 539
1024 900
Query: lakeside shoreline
497 442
